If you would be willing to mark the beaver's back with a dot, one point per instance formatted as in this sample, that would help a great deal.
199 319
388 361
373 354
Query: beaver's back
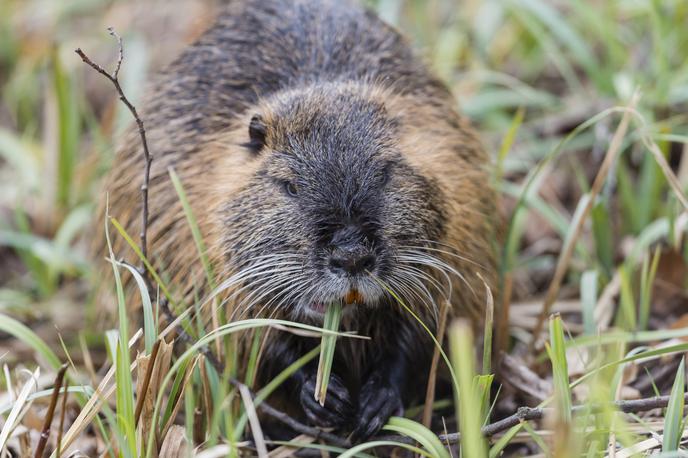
258 47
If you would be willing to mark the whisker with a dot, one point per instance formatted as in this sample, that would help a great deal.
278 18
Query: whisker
431 261
261 290
438 269
411 270
241 274
283 292
449 253
288 297
396 284
407 286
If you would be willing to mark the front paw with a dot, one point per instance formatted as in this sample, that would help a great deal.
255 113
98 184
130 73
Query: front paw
338 410
378 401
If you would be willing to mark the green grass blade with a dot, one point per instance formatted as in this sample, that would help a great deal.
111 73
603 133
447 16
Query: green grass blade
69 131
482 387
50 255
77 219
467 399
588 293
193 225
602 235
419 433
537 438
124 384
644 355
499 446
487 332
673 420
150 333
626 318
252 366
647 279
309 445
562 29
139 253
24 334
179 376
125 401
507 143
354 451
560 372
333 316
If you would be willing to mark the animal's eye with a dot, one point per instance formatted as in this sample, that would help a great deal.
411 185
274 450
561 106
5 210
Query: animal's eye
291 189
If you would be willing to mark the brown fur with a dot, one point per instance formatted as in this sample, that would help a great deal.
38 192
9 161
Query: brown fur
197 118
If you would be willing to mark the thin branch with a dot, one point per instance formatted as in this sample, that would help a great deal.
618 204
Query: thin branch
63 412
537 413
114 79
45 434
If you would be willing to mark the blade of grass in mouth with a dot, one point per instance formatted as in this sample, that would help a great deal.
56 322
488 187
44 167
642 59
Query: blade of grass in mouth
333 316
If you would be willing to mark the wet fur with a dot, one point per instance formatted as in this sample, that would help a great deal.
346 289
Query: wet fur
324 76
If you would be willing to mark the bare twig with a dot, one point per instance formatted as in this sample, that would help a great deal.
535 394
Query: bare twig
63 411
537 413
45 434
565 256
521 415
114 79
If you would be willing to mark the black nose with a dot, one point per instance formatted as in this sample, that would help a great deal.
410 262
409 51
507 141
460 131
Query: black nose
351 263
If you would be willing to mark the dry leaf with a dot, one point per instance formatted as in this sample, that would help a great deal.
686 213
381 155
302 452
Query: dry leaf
175 444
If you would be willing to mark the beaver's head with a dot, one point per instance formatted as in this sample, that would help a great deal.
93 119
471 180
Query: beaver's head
333 210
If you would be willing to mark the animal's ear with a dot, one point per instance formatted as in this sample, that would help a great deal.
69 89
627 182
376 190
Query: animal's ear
256 134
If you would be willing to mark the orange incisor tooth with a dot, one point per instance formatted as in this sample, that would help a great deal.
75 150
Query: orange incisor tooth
353 297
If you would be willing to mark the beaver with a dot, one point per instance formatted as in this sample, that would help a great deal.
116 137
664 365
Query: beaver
324 162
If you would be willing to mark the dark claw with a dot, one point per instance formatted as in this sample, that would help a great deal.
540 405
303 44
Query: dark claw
378 401
338 409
